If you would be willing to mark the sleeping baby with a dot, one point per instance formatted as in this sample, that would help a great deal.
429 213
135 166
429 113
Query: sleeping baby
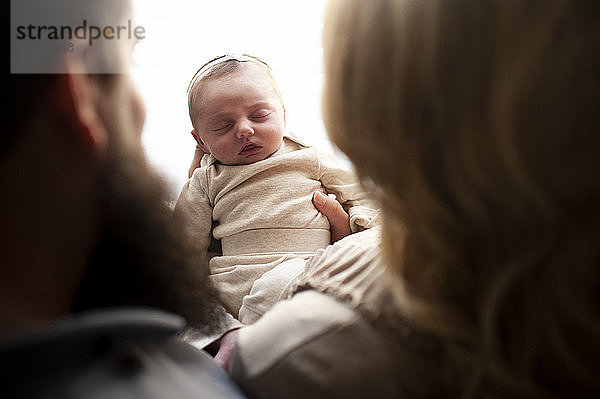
253 189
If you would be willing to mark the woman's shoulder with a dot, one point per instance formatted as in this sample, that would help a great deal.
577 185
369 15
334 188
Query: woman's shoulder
314 346
338 335
317 346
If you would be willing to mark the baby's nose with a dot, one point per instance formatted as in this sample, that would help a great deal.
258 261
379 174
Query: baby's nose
245 130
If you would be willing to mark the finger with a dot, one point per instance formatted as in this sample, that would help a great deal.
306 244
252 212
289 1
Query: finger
226 349
195 136
196 161
337 216
330 208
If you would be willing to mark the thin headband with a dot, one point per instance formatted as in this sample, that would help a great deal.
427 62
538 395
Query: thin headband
206 68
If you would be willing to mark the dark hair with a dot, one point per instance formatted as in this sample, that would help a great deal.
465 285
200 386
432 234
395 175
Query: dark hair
24 91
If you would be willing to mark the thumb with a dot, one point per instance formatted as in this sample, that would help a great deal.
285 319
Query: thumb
324 203
337 216
331 209
195 136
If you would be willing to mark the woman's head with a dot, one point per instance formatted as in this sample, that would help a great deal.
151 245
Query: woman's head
478 122
237 110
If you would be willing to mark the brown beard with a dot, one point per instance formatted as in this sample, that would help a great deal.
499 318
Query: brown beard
144 257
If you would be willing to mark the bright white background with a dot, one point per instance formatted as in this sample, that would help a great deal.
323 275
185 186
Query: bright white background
181 35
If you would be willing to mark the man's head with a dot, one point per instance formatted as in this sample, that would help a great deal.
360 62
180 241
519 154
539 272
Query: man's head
237 111
84 220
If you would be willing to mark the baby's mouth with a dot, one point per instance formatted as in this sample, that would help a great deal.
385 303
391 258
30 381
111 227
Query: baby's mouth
249 149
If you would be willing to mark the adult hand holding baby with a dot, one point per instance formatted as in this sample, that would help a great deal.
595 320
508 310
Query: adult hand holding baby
337 216
198 154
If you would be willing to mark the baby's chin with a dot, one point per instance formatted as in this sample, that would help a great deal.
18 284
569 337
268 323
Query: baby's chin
249 160
243 160
251 157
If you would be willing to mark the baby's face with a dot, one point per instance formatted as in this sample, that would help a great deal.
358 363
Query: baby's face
241 119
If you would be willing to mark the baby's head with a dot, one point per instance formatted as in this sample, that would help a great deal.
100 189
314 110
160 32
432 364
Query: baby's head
237 110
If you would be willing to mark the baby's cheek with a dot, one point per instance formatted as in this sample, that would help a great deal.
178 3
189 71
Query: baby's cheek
228 147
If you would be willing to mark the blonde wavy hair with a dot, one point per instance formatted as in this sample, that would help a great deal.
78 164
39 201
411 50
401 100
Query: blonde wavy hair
478 121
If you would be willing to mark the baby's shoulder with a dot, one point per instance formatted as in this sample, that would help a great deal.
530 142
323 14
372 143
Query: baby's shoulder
295 147
294 142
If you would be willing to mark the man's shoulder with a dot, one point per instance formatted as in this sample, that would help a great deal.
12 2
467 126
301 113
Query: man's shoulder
112 353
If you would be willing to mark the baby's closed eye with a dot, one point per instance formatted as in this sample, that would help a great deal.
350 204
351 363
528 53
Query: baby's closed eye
261 115
221 126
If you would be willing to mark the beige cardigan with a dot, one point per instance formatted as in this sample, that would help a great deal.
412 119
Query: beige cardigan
340 335
263 215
